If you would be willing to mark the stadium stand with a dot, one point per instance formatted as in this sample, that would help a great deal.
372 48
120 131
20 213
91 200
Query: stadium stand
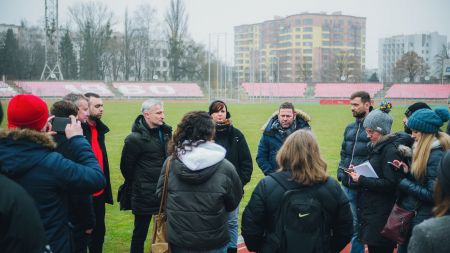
6 91
345 90
158 89
437 91
61 88
275 89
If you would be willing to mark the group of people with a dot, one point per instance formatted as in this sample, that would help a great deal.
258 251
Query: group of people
60 180
296 207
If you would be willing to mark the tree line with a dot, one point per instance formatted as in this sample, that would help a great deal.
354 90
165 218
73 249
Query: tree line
90 49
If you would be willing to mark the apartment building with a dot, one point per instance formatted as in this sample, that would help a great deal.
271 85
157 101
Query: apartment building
391 49
301 47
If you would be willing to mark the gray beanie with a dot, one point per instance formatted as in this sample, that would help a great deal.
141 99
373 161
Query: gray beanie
379 121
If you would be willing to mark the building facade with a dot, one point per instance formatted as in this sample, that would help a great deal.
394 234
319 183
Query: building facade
391 49
301 47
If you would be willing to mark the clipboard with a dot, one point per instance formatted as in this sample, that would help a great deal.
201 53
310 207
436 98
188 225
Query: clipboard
365 169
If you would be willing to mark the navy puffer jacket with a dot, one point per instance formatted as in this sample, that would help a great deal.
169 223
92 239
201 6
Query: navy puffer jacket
28 158
271 141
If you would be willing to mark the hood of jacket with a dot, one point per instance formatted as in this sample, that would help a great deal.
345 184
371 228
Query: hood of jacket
198 165
141 126
21 149
300 115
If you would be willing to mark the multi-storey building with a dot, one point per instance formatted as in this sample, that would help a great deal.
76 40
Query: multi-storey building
391 49
301 47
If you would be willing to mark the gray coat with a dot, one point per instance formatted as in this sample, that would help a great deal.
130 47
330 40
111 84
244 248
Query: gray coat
431 236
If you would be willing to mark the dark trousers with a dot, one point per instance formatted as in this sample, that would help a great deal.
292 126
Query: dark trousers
140 231
380 249
98 235
81 240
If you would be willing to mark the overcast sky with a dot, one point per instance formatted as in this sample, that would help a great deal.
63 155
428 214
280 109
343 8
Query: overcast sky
384 17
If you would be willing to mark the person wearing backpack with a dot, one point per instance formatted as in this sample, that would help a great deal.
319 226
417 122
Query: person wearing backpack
299 208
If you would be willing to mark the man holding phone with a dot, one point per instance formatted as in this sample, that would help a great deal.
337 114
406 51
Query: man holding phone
81 212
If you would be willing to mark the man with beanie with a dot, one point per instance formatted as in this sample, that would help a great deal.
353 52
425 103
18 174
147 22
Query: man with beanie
143 155
354 152
21 228
27 156
94 130
279 126
411 109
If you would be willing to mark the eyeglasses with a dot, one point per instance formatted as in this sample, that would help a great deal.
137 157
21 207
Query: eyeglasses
370 131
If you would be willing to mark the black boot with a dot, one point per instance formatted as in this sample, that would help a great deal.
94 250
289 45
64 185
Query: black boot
231 250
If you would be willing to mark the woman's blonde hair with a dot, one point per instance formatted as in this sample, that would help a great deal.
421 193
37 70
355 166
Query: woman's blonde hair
300 154
441 200
422 152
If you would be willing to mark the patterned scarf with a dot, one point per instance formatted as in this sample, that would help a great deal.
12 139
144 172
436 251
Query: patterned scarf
284 132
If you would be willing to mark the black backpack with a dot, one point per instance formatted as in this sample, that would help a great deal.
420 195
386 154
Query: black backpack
301 221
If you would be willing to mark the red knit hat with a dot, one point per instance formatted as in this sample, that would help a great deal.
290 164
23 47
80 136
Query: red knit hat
27 111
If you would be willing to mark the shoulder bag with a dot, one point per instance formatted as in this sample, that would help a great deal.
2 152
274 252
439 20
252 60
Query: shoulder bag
160 244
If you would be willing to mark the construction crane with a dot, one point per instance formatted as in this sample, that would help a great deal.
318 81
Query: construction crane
52 67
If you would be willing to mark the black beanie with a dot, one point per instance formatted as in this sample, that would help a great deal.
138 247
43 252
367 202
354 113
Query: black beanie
414 107
212 105
444 174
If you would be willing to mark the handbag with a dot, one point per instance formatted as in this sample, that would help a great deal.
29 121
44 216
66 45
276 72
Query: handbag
398 224
124 196
160 244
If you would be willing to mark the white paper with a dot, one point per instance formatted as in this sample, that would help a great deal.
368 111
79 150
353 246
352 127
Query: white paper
365 169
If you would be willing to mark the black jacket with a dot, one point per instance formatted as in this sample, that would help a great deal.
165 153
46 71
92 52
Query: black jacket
102 130
258 219
198 203
81 210
415 195
353 149
21 229
143 155
376 196
238 152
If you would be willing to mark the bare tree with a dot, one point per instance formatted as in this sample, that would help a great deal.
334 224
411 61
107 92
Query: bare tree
410 66
93 21
439 60
176 20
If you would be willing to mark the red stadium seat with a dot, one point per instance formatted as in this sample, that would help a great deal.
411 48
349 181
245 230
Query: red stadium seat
398 90
6 91
275 89
345 90
130 89
62 88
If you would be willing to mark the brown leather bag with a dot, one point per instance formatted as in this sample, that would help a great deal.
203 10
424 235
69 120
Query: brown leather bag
398 225
160 244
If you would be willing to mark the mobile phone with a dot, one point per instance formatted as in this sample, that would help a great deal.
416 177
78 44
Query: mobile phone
393 164
59 124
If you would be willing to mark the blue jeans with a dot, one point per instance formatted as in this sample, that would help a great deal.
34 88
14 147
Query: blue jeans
175 249
357 246
233 228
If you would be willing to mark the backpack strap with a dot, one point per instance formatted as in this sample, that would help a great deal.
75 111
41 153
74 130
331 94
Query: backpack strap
282 181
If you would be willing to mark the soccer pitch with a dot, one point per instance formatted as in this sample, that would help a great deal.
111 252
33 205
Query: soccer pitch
327 121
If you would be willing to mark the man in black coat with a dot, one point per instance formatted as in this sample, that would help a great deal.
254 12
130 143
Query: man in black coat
81 211
95 131
354 151
143 155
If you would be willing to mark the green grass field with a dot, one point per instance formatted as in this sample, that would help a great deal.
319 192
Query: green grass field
328 123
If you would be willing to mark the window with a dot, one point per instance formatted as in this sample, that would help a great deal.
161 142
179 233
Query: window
307 36
307 51
307 44
307 29
307 21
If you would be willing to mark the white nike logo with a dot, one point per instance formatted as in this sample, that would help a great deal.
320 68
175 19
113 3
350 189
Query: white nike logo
300 215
